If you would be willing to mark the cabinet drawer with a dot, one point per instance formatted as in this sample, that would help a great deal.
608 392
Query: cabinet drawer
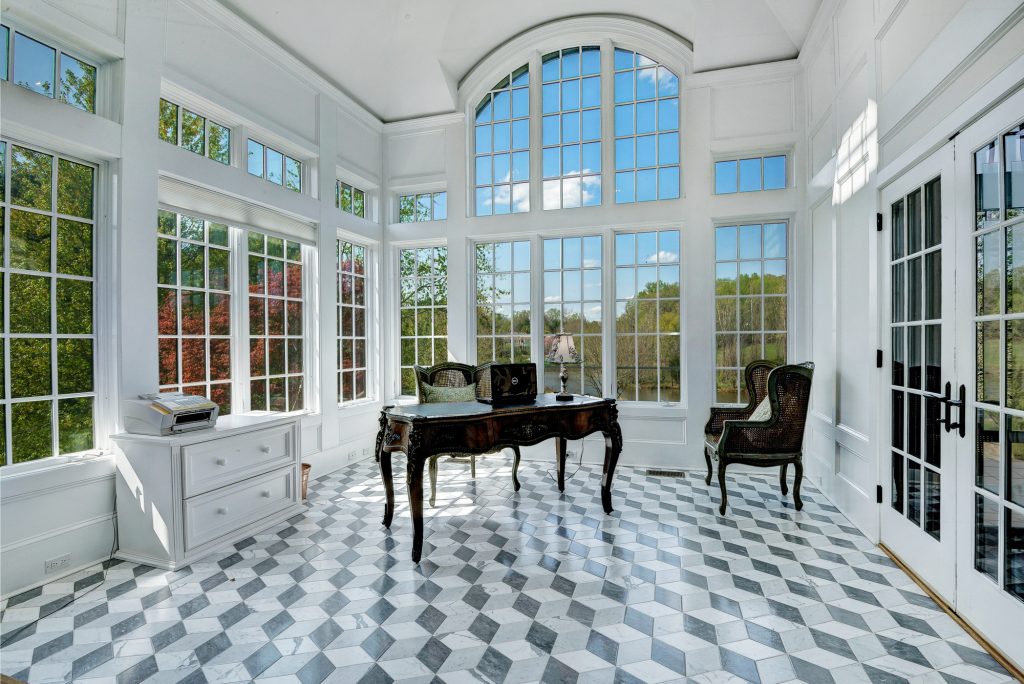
219 462
223 511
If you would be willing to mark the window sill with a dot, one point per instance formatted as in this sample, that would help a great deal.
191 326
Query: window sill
652 410
358 408
23 480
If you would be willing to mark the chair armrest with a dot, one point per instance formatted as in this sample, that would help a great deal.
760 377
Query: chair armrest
720 414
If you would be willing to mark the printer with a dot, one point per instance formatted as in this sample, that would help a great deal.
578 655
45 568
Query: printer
168 413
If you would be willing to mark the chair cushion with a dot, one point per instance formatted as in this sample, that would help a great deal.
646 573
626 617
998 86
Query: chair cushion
763 411
441 395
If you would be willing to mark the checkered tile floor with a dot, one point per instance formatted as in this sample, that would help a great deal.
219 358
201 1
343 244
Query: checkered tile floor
513 588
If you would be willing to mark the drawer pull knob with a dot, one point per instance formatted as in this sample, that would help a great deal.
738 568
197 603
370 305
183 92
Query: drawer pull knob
222 461
266 493
222 511
265 449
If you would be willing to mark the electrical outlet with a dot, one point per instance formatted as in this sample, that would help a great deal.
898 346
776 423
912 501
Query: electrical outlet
352 455
58 563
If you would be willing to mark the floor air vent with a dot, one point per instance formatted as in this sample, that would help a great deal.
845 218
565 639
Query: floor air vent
651 472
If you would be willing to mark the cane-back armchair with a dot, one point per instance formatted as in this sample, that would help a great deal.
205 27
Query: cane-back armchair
450 374
755 377
776 440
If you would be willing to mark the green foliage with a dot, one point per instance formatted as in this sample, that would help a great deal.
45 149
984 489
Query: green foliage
167 127
78 83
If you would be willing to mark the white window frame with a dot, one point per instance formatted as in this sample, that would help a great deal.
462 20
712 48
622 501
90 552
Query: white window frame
396 317
432 195
760 157
207 122
370 315
59 50
531 302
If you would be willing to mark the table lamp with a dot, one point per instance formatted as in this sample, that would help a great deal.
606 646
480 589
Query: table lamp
562 350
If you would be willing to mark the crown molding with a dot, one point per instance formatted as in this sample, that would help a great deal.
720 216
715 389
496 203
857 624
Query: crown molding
259 41
739 75
423 124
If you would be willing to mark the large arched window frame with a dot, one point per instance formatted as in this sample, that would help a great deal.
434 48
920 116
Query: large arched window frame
663 47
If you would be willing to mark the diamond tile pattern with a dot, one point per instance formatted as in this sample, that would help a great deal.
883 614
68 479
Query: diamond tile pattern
514 587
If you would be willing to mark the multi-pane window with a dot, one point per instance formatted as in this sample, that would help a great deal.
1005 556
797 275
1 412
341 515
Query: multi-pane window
349 199
647 299
646 129
503 301
502 162
278 168
352 365
194 132
571 127
423 311
750 175
425 206
47 70
48 339
572 304
999 353
275 323
194 307
750 302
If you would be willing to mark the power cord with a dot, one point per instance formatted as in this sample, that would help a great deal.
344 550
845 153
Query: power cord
554 476
13 636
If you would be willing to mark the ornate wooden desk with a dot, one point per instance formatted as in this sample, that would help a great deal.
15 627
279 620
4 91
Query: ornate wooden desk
423 430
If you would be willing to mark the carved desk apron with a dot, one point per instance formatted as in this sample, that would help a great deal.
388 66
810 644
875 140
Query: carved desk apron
423 430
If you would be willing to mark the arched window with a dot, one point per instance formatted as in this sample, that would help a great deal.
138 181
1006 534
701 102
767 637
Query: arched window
502 164
571 133
646 129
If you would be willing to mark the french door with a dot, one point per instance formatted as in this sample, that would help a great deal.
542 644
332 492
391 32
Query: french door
918 512
953 266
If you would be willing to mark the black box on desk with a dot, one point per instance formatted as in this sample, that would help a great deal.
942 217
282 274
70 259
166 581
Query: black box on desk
506 383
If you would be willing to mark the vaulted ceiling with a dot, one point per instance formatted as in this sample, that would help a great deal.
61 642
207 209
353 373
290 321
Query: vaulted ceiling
404 58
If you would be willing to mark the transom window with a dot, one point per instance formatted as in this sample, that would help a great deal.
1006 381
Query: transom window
275 323
425 206
647 299
274 166
571 127
503 301
502 166
750 175
194 132
572 304
352 365
349 199
423 311
646 129
751 290
47 222
194 307
47 70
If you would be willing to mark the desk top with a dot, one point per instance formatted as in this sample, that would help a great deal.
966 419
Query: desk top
468 409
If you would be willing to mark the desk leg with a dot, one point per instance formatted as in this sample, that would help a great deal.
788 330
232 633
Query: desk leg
384 461
612 449
560 446
414 482
515 468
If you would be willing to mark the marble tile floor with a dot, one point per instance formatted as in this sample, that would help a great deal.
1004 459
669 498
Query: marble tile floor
514 587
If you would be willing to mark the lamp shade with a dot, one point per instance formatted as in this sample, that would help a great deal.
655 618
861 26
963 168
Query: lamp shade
561 349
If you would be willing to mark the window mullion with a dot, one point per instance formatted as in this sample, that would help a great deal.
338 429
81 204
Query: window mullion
238 282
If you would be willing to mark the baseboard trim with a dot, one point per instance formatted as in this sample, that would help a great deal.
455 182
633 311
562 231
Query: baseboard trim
1014 671
49 579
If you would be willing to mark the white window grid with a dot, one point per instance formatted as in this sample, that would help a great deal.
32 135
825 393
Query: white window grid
422 311
56 399
274 166
749 174
571 127
502 298
751 301
647 316
646 129
204 148
423 206
58 88
350 199
502 143
573 290
353 321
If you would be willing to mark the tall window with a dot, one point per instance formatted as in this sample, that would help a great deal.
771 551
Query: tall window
750 302
351 322
503 301
571 127
349 199
194 132
503 146
646 129
275 323
47 70
572 304
194 307
647 297
425 206
423 310
274 166
47 220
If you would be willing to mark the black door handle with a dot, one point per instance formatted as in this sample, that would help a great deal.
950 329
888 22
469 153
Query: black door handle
949 404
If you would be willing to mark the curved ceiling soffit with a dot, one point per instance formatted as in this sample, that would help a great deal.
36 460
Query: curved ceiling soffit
633 33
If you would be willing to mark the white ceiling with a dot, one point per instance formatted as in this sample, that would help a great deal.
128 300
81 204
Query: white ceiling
404 58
